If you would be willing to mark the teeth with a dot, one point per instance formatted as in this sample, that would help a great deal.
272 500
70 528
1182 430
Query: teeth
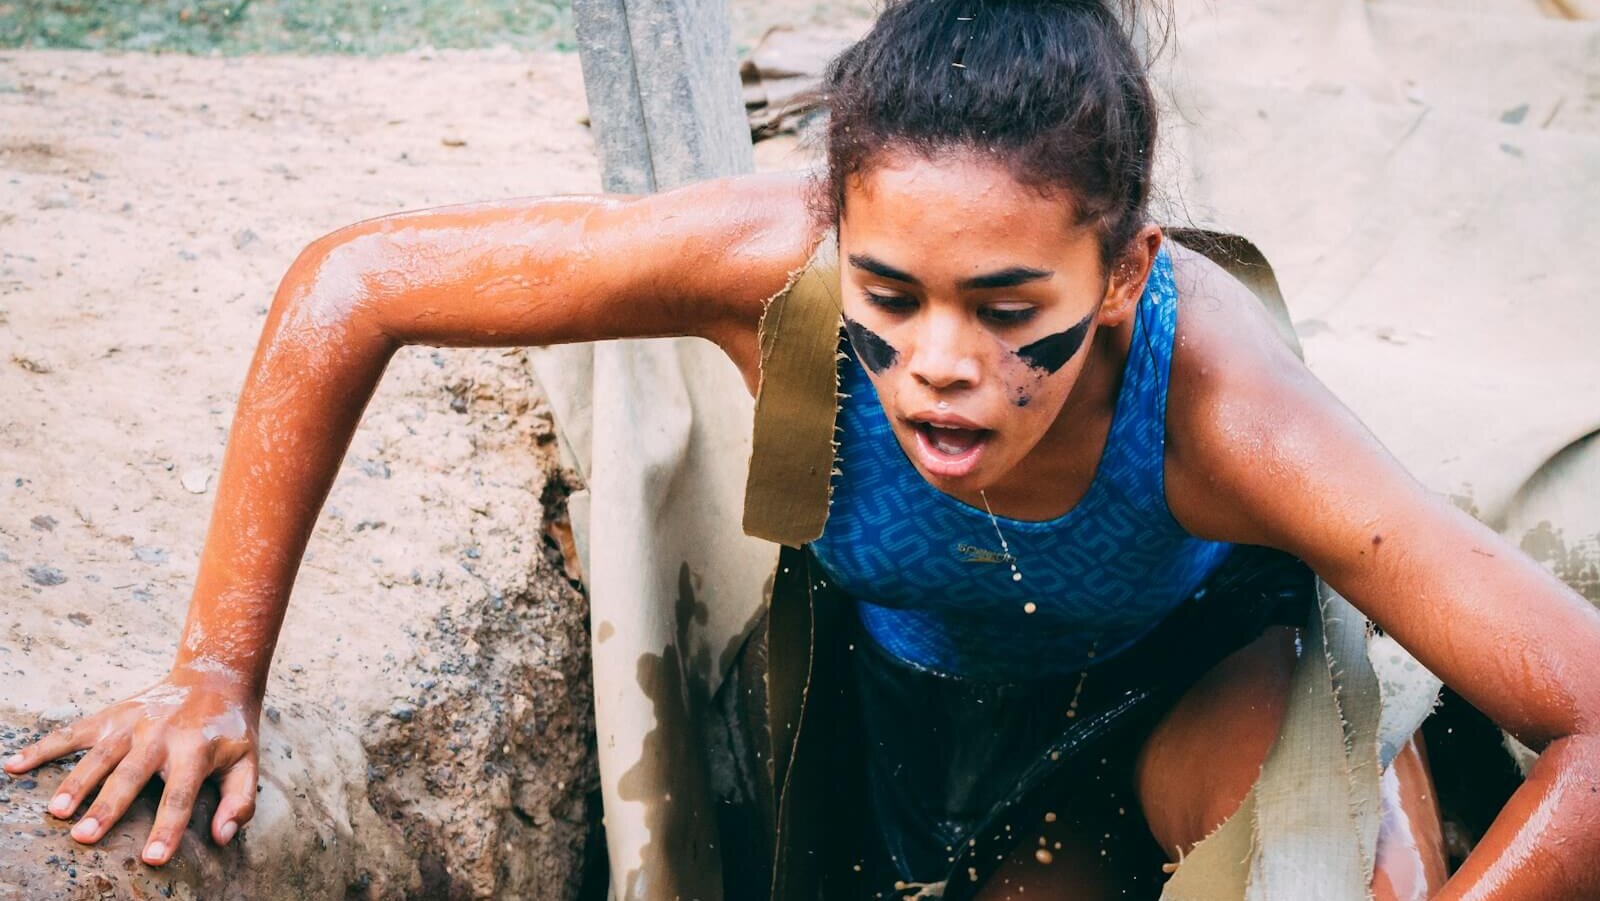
951 440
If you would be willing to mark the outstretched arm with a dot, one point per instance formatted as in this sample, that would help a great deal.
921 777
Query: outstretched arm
694 262
1271 457
698 261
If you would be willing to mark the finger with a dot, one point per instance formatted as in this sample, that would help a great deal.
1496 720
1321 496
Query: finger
59 743
238 802
184 776
89 772
121 787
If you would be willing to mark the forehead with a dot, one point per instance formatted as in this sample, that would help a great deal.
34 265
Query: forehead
960 211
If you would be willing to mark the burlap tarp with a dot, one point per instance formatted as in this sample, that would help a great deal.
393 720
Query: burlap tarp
1423 178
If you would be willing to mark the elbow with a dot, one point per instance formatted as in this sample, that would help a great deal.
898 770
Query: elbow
338 285
1588 719
1584 683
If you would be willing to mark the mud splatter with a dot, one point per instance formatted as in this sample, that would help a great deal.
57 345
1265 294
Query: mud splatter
669 778
1576 563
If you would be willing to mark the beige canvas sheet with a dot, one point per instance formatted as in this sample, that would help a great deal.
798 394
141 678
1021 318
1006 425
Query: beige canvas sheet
1421 176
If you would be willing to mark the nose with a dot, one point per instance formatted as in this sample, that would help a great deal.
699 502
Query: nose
944 357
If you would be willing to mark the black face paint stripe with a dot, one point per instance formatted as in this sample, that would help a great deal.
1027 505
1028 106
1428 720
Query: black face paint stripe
1052 352
874 353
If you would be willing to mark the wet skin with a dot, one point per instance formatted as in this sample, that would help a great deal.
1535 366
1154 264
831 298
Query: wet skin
1258 452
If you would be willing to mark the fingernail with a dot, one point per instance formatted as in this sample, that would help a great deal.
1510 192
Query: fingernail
228 829
14 760
86 828
154 850
61 804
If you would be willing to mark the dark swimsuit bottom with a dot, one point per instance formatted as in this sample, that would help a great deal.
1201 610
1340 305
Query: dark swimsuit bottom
960 771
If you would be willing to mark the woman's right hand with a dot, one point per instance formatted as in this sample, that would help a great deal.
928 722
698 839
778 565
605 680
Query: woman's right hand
185 727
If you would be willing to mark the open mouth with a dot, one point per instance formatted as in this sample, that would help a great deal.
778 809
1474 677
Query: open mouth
947 450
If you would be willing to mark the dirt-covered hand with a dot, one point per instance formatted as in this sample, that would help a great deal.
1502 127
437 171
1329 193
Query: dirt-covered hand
186 727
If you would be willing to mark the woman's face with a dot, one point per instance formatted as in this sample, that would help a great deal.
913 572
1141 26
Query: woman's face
971 300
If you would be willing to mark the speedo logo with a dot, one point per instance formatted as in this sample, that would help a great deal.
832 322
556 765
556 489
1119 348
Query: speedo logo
970 553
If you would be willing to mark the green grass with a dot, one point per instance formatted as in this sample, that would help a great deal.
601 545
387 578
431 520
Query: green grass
231 27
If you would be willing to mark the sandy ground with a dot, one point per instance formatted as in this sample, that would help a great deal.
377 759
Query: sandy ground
429 723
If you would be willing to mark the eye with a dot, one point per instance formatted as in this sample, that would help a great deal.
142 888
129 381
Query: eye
1007 315
890 303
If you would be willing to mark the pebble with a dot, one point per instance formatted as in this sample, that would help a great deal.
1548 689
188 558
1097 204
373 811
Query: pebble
243 238
196 481
33 365
59 715
402 712
147 554
46 575
43 522
57 200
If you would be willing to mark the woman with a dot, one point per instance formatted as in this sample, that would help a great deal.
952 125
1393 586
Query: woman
1057 431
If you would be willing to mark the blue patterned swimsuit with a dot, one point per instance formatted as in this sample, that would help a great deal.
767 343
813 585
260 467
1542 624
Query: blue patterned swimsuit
926 570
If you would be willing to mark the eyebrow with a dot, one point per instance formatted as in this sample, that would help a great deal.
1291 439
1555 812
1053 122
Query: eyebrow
1005 278
1009 277
881 269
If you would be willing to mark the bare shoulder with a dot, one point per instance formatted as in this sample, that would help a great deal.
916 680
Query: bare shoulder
1218 314
1238 398
722 248
726 245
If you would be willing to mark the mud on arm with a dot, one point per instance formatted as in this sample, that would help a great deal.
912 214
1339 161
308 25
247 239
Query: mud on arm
697 261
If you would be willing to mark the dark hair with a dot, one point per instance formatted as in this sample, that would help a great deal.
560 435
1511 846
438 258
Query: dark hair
1051 88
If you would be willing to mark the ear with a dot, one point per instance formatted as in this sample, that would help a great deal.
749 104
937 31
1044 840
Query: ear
1128 274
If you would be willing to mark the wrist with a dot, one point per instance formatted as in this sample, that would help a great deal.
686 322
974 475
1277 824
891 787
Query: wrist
219 675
